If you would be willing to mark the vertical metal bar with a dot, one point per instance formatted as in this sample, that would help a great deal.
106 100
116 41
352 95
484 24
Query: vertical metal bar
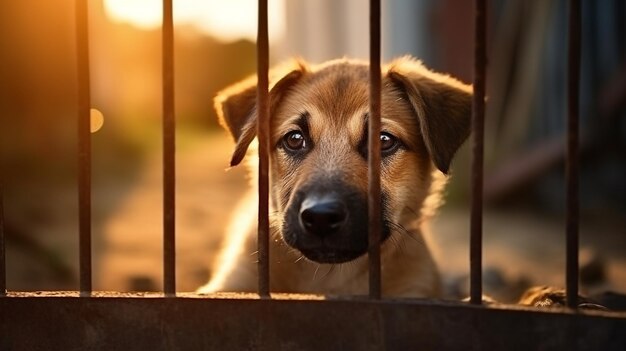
571 164
3 271
478 122
84 146
169 145
374 197
263 138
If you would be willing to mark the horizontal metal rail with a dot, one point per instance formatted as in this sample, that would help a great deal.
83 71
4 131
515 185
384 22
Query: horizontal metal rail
286 322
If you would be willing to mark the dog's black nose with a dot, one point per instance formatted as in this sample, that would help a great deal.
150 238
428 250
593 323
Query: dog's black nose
322 216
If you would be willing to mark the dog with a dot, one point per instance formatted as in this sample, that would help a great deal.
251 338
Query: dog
318 176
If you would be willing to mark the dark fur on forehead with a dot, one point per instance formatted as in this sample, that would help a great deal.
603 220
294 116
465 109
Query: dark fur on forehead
339 87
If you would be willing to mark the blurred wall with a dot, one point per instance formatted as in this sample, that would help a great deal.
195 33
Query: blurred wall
437 32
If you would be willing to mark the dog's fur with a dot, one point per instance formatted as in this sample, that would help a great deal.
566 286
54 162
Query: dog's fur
318 148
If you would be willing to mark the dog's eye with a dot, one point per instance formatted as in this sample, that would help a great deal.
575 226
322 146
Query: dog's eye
294 141
388 143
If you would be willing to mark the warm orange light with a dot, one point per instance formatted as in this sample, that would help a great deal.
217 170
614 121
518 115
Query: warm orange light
226 20
96 120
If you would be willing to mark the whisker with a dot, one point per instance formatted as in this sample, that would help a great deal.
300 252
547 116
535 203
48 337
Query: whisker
349 265
315 273
398 245
299 259
330 270
402 230
293 251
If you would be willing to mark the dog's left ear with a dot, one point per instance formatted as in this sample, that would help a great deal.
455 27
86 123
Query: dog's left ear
442 105
236 105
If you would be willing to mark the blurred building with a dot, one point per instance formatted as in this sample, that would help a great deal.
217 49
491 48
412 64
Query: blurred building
527 82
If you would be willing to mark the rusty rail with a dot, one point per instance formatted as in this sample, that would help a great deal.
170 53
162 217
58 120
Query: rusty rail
263 126
111 320
84 145
374 156
3 262
571 163
169 148
478 126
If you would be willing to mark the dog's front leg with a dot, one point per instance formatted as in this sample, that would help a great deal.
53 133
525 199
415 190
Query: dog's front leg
236 266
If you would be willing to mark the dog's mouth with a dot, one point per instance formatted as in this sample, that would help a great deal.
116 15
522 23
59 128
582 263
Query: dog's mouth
326 255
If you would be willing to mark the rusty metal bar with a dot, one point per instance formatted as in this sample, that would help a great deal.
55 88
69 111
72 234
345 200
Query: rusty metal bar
84 145
571 163
98 323
3 270
478 123
263 126
169 148
374 197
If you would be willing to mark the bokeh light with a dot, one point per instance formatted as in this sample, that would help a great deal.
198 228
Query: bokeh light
96 120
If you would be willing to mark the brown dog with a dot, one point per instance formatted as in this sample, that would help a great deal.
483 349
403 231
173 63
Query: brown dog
318 140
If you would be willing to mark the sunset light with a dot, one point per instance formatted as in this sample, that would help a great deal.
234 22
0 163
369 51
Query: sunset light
226 20
96 120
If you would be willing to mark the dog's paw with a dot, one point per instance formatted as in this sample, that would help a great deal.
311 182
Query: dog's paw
546 296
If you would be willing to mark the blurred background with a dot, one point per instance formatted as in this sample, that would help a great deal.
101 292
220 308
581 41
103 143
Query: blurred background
214 47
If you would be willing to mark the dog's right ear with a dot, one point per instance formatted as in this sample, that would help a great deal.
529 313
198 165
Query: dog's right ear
442 104
236 105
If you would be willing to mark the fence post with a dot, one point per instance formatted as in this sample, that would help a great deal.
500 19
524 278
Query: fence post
3 263
169 149
478 122
374 197
84 146
263 139
571 163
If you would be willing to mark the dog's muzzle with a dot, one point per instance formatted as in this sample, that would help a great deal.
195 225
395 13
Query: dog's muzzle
327 222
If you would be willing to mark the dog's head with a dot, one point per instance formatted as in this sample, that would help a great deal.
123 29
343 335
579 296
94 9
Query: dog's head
318 145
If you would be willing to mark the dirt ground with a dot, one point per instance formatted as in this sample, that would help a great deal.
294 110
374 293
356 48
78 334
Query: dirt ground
520 248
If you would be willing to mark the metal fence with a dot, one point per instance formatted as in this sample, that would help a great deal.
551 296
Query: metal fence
96 320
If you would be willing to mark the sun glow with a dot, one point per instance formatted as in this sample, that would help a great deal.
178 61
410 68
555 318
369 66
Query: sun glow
225 20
